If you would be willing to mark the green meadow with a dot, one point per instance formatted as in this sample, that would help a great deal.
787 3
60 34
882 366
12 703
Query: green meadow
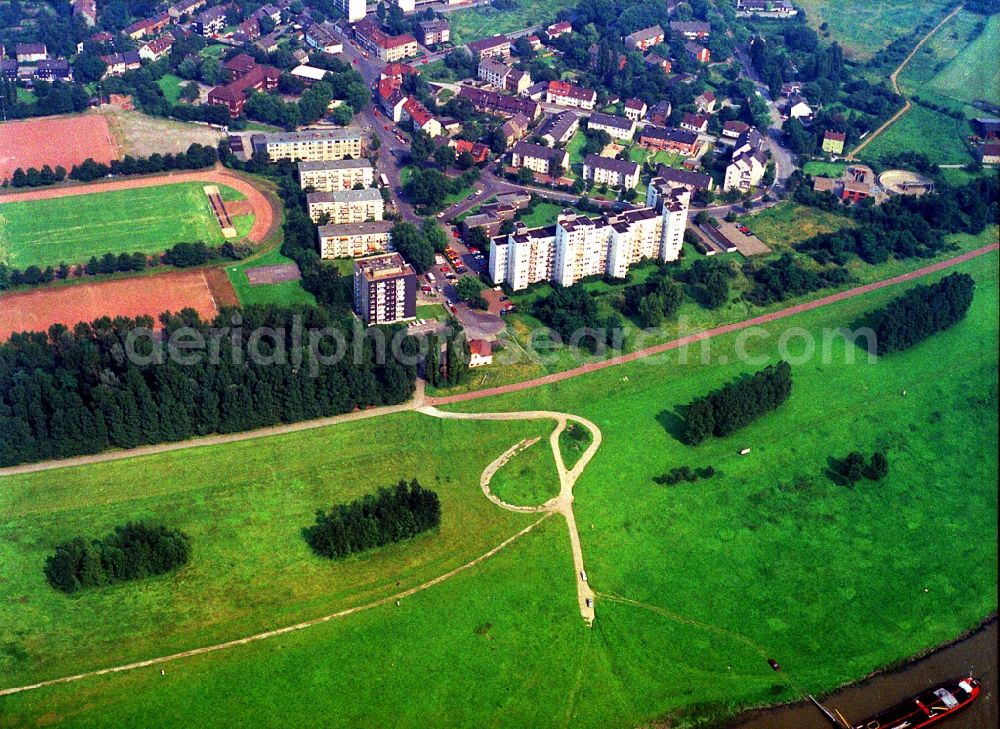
284 293
146 219
697 584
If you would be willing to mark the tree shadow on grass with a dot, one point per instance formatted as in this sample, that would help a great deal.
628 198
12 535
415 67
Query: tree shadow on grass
835 470
672 422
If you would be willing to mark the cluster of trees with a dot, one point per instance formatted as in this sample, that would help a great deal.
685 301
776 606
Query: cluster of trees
786 277
70 392
374 520
654 301
57 97
576 316
724 411
684 473
447 361
470 290
708 281
131 552
921 312
341 82
428 188
418 245
853 468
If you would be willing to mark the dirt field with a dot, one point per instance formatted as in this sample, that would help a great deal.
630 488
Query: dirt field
267 216
62 140
141 135
204 291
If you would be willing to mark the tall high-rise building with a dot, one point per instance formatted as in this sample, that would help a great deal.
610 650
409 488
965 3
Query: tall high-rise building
385 289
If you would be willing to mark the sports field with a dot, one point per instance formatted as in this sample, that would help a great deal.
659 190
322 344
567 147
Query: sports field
697 584
864 28
481 22
62 140
72 229
284 293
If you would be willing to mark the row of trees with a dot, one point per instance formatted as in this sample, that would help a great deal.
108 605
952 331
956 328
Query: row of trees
684 473
447 361
853 468
71 392
786 278
131 552
374 520
724 411
921 312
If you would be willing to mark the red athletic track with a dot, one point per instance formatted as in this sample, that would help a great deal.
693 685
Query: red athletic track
709 333
264 223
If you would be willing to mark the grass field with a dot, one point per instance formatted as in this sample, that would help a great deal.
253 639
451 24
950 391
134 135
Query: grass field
770 558
72 229
974 74
824 169
282 294
171 87
788 223
481 22
529 478
923 130
864 28
573 441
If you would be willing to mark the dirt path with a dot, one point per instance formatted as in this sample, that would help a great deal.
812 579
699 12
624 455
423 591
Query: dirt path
709 333
266 219
893 78
563 503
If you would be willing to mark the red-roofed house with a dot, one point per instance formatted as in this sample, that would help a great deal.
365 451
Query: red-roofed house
234 94
695 122
557 29
480 353
387 47
833 142
157 48
480 152
422 119
566 94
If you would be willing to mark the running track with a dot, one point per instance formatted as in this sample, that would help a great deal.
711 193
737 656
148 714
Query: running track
709 333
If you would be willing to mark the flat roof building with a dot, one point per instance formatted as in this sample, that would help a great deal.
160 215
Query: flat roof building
385 289
324 144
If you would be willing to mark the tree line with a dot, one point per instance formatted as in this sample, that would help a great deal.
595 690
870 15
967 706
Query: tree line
72 392
786 277
374 520
920 312
447 360
724 411
131 552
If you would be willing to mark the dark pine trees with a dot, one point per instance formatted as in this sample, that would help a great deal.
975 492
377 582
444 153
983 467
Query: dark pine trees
131 552
726 410
921 312
390 515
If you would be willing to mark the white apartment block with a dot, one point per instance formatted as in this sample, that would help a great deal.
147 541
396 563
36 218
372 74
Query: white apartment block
310 145
355 10
353 240
346 206
330 175
577 246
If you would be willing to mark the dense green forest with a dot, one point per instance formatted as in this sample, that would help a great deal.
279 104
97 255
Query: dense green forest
921 312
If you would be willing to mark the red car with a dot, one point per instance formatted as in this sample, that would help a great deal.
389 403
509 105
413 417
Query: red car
444 269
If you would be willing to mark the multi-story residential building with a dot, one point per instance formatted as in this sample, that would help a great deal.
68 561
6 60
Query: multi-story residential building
387 47
354 239
746 168
30 52
491 102
233 95
766 8
434 32
497 46
385 289
52 69
566 94
185 7
321 37
610 171
503 76
515 128
330 175
310 145
691 29
543 160
578 246
618 127
157 48
643 40
346 206
421 117
211 21
559 129
355 10
670 139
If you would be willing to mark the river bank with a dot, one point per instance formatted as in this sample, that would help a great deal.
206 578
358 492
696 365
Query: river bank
976 652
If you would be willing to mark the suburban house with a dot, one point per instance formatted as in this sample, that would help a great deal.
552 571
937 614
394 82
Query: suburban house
480 353
433 32
660 113
677 177
185 7
566 94
989 152
477 150
559 129
833 142
643 40
733 129
543 160
691 29
515 128
669 139
635 109
56 68
385 289
321 38
421 117
119 63
148 27
617 126
657 61
354 239
557 29
247 31
497 46
746 168
695 122
796 107
698 52
157 48
610 171
705 102
30 52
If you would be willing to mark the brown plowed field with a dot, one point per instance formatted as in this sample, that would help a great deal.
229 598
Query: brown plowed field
62 140
267 216
204 290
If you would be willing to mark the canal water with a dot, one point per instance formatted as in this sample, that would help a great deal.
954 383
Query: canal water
978 652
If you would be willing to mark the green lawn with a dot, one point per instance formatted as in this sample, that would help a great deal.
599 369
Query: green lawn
481 22
212 51
574 148
544 213
72 229
974 74
864 28
923 130
770 558
788 223
171 86
529 478
282 294
25 96
817 168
